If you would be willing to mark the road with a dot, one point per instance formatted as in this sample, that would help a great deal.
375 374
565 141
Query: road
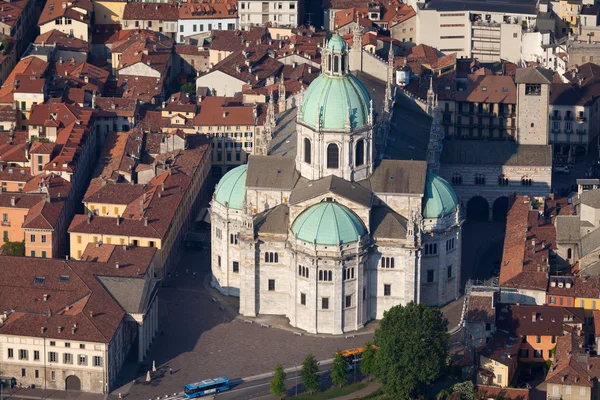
259 388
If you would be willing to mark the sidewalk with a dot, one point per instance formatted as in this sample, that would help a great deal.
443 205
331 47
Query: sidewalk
36 394
361 393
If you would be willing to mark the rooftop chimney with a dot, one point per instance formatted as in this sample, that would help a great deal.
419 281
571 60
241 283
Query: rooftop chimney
45 297
117 265
533 317
13 201
43 330
91 314
60 328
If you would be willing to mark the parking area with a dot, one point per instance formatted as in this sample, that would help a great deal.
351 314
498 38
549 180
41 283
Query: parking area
198 340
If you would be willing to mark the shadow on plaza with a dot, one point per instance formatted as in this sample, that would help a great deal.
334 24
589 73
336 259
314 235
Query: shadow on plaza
187 311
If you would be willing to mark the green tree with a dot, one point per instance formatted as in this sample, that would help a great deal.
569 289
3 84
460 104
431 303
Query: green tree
189 88
310 373
368 362
413 347
466 390
14 248
277 386
339 371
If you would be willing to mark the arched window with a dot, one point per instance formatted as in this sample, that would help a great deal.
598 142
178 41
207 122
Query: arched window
456 179
360 153
342 61
502 180
526 181
336 63
307 151
333 156
532 125
480 179
329 62
569 253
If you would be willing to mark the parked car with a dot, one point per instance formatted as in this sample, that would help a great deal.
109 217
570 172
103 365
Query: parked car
562 169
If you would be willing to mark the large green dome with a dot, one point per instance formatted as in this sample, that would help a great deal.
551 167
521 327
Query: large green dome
440 198
231 190
337 44
334 96
328 223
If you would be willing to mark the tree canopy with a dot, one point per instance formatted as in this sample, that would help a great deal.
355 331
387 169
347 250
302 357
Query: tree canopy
368 362
277 386
413 347
339 371
310 373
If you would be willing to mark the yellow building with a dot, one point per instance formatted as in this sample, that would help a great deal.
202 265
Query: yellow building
498 361
108 12
156 214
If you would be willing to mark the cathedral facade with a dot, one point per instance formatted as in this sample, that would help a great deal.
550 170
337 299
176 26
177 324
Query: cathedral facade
332 239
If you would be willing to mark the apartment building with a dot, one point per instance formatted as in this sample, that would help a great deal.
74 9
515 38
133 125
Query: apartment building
233 128
178 113
157 211
486 31
18 22
539 327
287 13
197 18
157 17
498 360
70 325
70 17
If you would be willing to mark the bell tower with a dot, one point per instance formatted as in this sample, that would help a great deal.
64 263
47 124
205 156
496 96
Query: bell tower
335 121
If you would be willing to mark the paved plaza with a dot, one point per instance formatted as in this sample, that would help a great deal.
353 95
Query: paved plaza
199 340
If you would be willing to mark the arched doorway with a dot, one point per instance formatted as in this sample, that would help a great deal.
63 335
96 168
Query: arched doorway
72 383
478 209
500 209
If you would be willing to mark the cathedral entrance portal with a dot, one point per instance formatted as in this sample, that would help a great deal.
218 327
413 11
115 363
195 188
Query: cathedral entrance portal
478 209
500 209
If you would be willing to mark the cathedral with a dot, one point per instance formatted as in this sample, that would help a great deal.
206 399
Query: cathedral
335 237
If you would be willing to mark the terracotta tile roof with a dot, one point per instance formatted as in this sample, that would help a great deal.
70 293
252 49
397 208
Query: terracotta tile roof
343 4
191 50
142 88
504 349
223 111
527 246
31 66
151 214
112 193
524 320
253 64
194 10
585 287
68 8
481 309
489 89
572 366
107 34
118 154
151 121
180 102
62 41
114 106
140 39
154 11
15 174
133 261
80 75
235 40
10 12
495 392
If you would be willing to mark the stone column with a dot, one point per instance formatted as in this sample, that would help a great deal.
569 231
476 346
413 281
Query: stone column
248 289
338 300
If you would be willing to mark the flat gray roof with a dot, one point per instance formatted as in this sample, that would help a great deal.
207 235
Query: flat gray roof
499 6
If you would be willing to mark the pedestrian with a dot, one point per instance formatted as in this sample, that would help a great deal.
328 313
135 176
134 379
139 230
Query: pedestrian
120 396
186 270
171 371
194 274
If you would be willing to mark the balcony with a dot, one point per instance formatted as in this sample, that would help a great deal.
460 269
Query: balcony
568 118
581 119
5 223
581 131
555 117
486 113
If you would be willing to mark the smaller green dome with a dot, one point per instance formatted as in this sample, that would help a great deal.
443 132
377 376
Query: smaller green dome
231 190
328 223
336 44
440 198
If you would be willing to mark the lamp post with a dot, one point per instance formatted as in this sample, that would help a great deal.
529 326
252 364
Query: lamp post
296 380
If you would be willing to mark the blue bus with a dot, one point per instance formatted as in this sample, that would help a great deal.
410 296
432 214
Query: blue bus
207 386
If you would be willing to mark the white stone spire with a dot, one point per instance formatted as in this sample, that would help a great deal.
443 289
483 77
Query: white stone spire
390 78
436 135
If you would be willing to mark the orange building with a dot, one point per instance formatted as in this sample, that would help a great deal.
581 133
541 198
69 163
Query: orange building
539 327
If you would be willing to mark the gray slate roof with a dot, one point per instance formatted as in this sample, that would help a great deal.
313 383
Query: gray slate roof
333 184
399 176
591 198
387 224
567 229
590 242
495 153
132 294
534 75
271 172
275 220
